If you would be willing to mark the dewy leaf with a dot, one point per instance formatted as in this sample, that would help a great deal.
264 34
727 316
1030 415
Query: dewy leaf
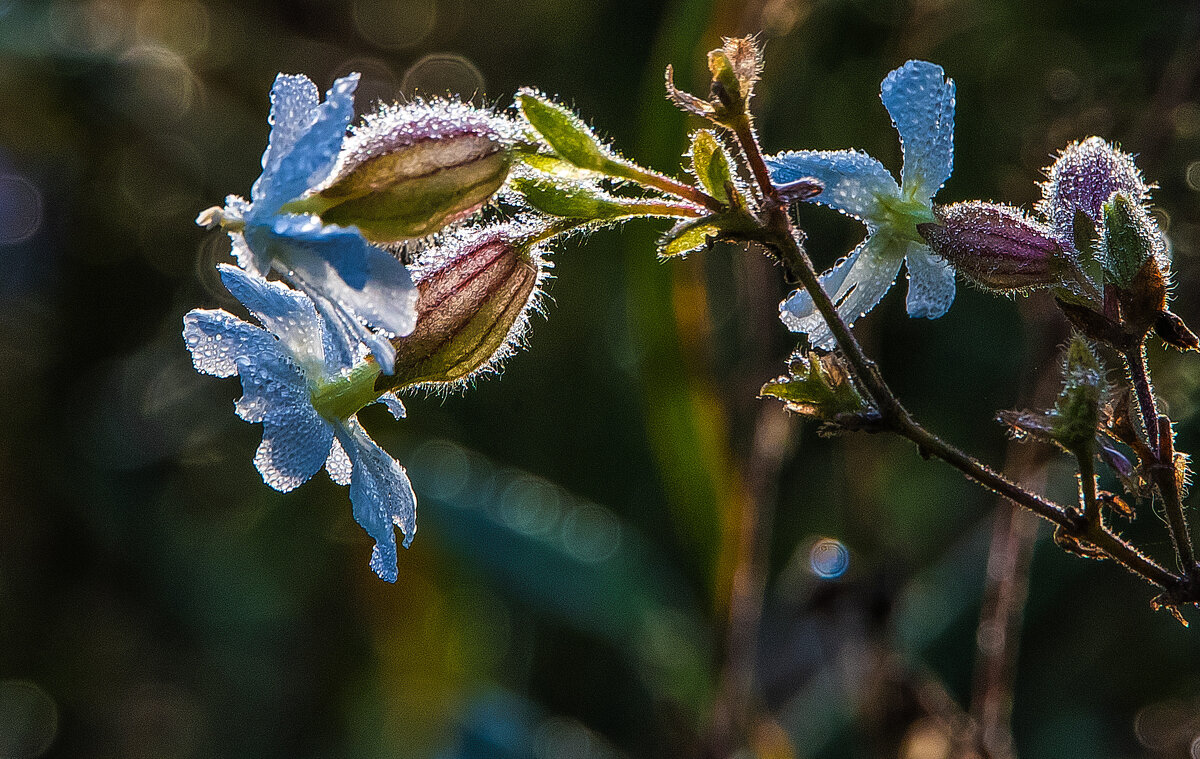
551 164
583 201
565 132
688 236
710 163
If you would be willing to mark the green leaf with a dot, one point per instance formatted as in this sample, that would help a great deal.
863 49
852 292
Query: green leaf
711 163
688 236
565 132
553 165
577 200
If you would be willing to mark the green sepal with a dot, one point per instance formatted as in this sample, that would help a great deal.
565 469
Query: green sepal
711 165
1130 239
390 201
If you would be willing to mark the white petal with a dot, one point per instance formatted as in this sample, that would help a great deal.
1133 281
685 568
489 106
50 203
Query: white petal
930 283
854 181
855 285
920 100
381 495
217 338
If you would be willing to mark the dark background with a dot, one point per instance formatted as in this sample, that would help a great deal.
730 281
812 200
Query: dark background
566 592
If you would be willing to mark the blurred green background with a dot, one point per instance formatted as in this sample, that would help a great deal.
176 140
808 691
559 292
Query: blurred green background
567 591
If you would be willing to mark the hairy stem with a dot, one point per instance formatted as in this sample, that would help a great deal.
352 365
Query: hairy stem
1162 469
1087 487
672 187
1139 377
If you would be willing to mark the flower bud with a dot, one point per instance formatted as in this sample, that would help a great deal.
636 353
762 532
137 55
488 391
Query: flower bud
411 170
1083 178
1076 414
472 306
995 246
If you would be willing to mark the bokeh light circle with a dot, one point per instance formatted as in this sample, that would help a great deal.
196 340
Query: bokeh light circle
442 74
828 559
20 209
28 720
394 24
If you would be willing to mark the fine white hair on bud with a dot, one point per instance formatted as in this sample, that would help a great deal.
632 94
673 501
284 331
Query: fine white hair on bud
1082 179
476 289
408 171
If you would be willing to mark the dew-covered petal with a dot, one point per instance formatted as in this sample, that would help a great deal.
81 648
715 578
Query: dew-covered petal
387 300
296 443
381 495
285 313
338 464
392 402
346 336
920 100
855 284
930 283
217 338
305 139
854 181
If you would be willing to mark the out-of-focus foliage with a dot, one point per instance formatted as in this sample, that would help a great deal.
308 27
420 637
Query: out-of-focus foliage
565 596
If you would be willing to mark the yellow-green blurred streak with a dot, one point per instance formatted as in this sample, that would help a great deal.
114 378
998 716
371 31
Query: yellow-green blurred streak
668 314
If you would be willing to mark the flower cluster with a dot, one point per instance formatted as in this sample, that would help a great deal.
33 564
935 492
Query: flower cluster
347 323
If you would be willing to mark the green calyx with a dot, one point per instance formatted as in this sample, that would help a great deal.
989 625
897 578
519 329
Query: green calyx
902 216
340 398
1130 239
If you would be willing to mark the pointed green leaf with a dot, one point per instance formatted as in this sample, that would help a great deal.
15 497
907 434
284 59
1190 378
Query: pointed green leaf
564 132
711 163
688 236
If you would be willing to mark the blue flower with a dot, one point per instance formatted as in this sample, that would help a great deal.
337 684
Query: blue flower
352 283
921 102
281 368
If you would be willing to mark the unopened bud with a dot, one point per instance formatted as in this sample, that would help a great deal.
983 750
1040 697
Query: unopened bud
1083 178
472 306
1076 415
995 246
411 170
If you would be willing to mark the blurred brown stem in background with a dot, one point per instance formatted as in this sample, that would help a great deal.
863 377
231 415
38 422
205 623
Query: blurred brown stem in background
734 715
1014 531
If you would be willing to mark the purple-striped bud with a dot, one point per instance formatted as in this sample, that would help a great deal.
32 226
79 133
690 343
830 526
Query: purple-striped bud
473 301
995 246
410 170
1083 178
